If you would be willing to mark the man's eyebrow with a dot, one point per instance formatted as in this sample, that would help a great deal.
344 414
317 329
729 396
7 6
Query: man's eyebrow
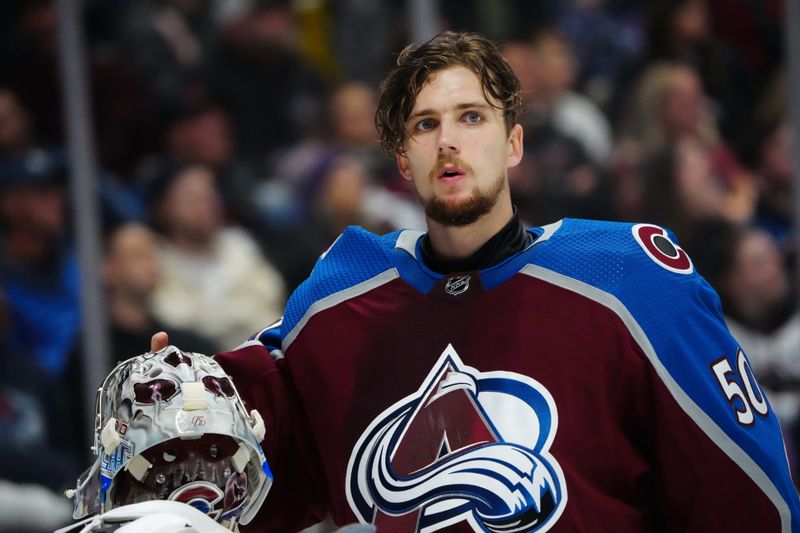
465 105
473 105
421 113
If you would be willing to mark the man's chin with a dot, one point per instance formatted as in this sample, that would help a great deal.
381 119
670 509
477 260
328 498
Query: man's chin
457 212
462 208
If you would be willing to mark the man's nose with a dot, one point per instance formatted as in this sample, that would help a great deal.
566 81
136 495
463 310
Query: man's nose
448 138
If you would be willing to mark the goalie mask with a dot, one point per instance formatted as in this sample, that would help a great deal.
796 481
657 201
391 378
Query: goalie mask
170 425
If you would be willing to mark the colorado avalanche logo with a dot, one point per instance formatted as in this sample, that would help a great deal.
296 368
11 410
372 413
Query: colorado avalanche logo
656 243
468 447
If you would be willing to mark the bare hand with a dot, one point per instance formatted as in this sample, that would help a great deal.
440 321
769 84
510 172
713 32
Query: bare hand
159 341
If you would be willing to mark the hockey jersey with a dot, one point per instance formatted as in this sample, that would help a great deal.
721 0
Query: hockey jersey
587 383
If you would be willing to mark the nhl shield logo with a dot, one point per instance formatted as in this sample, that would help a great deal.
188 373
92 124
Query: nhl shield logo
457 285
468 448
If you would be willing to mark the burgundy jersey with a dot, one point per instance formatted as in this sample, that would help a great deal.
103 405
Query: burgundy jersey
588 383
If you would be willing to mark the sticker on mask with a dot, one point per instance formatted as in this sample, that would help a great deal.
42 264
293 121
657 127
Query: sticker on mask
110 464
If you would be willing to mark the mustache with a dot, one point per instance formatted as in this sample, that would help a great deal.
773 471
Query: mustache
442 162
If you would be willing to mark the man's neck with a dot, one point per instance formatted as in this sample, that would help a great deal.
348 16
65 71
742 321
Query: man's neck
452 242
510 240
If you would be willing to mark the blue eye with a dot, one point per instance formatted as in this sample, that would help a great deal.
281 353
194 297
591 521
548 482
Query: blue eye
472 117
425 124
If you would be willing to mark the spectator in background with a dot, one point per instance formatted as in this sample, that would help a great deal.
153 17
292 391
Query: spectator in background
683 31
40 280
318 190
351 114
273 95
123 110
131 274
572 114
768 152
337 178
30 110
346 195
337 195
775 170
16 130
285 209
215 281
17 137
672 165
351 109
170 41
387 199
363 35
39 269
36 467
201 133
608 38
560 178
755 30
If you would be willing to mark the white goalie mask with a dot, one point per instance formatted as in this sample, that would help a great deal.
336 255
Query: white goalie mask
170 425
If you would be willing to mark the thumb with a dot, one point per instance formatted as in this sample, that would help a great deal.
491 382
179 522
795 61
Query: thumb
159 341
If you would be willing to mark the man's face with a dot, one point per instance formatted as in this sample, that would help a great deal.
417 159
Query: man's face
192 206
759 277
37 209
206 139
15 127
684 102
131 262
457 149
352 113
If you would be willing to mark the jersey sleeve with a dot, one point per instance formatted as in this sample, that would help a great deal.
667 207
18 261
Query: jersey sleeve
296 499
718 456
258 367
717 450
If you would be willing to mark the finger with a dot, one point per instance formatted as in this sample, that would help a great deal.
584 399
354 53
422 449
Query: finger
159 341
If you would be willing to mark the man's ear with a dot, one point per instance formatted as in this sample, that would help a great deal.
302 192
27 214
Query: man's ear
515 149
402 166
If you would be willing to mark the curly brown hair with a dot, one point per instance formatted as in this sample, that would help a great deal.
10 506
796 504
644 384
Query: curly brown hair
417 62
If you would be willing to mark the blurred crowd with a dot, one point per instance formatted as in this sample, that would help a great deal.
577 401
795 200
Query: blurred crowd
235 141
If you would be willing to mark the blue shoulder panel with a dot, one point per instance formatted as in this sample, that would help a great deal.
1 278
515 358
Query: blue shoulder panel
676 316
269 336
355 257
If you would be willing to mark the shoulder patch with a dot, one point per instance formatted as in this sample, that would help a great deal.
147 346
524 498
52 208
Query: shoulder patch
656 243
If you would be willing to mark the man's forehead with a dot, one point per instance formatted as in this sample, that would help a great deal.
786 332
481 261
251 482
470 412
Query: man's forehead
451 87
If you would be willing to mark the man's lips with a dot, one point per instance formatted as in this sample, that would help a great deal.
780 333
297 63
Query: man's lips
451 174
449 171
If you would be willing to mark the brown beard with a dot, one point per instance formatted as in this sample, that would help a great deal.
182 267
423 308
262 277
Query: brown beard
466 212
